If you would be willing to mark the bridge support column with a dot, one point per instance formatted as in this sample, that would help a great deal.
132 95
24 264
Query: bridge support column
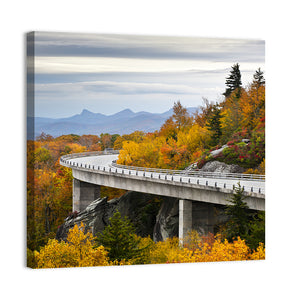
185 218
83 194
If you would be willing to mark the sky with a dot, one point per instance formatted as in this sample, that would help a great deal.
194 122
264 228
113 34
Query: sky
109 73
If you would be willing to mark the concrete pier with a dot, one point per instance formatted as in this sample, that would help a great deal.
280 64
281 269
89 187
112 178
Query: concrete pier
83 194
185 218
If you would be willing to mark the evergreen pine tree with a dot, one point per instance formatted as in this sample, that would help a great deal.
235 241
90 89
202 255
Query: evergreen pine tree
239 215
233 81
257 231
214 125
119 239
247 224
258 78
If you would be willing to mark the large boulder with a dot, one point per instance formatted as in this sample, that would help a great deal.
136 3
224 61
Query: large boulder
220 167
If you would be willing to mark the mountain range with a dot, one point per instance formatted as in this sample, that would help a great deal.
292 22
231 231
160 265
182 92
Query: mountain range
87 122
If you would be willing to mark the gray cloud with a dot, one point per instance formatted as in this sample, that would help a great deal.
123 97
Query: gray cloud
113 87
154 47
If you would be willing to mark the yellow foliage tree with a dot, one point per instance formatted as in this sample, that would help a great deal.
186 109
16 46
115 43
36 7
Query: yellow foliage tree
143 154
129 153
167 251
259 254
201 249
195 139
78 251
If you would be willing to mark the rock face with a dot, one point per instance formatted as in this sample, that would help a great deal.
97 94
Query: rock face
94 217
140 208
167 219
220 167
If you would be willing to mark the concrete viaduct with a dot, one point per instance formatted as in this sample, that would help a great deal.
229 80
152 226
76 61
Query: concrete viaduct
94 169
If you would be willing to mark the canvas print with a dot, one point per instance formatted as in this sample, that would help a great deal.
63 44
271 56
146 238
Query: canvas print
144 149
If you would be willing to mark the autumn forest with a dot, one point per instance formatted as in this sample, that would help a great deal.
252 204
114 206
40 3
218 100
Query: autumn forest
184 139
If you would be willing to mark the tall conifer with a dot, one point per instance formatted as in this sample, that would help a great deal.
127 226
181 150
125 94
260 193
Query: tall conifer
233 81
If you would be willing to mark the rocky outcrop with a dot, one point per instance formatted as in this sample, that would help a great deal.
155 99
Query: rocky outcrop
95 218
166 225
140 208
220 167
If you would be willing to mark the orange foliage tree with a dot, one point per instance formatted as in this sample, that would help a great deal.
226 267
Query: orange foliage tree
49 185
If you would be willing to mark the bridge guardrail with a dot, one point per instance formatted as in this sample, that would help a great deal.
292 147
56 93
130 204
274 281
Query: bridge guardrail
193 173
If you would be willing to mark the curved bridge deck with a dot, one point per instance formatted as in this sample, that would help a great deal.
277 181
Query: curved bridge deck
99 168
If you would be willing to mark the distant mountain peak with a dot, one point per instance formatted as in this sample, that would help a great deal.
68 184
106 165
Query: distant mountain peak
126 110
86 112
